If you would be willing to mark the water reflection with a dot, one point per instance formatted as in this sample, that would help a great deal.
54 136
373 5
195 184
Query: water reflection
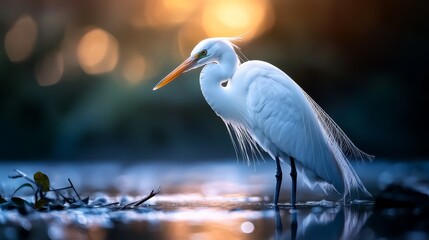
222 219
278 220
317 222
199 201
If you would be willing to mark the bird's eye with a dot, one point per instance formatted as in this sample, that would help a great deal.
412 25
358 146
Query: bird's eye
203 53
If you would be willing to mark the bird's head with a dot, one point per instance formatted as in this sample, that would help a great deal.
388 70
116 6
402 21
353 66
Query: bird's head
205 52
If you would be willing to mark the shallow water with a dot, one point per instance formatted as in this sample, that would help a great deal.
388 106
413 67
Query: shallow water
216 200
228 218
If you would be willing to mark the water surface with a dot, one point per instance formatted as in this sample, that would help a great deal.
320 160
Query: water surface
214 200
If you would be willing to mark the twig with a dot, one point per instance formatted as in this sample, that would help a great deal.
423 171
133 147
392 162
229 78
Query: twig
60 189
71 200
74 189
22 174
110 204
141 201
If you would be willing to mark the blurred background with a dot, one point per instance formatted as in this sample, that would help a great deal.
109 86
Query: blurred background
76 77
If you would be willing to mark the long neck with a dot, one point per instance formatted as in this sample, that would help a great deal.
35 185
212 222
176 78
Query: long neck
211 78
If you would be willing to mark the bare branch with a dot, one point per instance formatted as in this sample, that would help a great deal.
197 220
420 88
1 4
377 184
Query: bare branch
141 201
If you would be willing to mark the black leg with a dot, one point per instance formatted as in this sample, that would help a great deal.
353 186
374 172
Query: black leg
279 176
293 176
293 226
278 222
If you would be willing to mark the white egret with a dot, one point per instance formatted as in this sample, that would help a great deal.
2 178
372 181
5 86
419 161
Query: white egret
264 107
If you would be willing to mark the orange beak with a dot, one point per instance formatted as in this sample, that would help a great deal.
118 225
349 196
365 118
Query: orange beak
185 66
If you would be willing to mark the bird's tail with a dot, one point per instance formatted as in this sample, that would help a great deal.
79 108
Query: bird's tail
342 148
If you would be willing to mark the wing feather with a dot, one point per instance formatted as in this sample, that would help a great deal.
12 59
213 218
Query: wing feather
285 121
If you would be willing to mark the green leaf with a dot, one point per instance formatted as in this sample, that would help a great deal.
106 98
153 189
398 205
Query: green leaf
2 200
18 202
56 207
23 186
5 206
42 180
23 207
40 203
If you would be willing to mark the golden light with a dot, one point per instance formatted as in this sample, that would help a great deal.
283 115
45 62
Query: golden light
247 227
97 52
50 70
189 34
134 69
214 223
20 39
237 17
162 12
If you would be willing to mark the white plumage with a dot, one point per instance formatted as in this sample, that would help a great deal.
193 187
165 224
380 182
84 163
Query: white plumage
262 106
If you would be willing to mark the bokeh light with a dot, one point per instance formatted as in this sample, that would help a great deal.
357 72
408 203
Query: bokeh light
134 68
97 51
157 13
247 227
237 17
189 35
66 45
21 38
50 70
